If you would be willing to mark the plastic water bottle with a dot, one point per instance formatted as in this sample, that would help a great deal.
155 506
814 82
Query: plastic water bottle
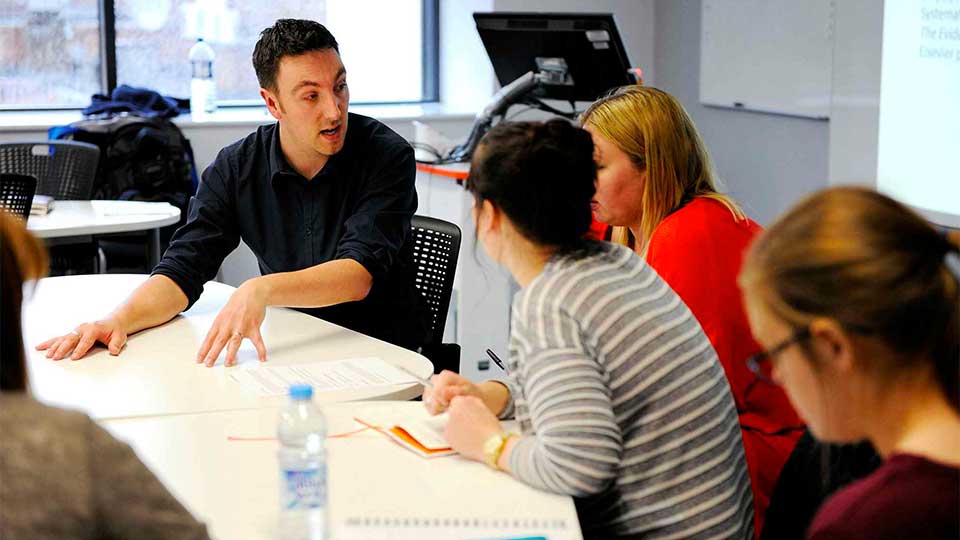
203 89
302 432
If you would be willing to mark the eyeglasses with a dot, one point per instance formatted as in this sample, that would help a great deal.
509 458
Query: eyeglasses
760 363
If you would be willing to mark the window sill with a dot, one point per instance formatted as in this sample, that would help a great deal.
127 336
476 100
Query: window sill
14 121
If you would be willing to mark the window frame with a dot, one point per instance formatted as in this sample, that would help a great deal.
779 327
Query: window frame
430 38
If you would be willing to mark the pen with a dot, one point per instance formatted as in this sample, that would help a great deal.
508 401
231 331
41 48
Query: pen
425 382
496 360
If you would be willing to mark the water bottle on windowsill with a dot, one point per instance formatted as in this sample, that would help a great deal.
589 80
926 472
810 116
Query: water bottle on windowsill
203 88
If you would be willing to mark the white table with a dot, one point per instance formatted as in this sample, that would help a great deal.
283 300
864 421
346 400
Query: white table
156 373
89 218
233 486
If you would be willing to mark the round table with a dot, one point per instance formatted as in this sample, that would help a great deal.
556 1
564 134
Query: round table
156 373
90 218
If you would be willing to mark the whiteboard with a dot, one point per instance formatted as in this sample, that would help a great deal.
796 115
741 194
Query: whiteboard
767 55
918 136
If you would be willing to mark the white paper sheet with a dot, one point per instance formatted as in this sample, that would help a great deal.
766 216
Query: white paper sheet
323 376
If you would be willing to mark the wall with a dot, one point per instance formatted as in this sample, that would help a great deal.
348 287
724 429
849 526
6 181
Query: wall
766 161
855 116
466 76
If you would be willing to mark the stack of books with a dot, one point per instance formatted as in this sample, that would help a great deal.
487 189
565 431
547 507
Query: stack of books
42 205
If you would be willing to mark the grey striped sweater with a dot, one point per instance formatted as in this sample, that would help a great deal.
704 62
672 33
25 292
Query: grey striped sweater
623 404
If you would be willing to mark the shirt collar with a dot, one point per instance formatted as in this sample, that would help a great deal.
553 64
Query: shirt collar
279 166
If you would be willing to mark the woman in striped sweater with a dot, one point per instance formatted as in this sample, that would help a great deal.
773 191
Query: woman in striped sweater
619 396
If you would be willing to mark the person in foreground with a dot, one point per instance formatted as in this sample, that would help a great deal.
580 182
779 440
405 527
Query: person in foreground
656 185
325 210
852 296
61 475
619 396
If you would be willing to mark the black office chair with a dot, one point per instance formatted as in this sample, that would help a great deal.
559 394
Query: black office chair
66 171
436 247
16 194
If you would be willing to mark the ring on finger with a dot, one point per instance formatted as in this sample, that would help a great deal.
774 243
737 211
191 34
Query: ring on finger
75 333
236 335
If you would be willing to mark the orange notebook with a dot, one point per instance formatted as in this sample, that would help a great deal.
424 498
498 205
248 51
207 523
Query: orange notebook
421 434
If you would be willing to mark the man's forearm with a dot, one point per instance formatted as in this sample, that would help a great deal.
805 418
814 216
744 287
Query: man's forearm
327 284
153 303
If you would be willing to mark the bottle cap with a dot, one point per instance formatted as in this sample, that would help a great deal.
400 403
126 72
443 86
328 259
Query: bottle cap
300 392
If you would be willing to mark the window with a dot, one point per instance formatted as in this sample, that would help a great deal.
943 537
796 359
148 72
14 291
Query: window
390 57
50 53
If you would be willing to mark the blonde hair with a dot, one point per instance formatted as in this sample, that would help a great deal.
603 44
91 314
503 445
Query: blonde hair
658 135
869 263
22 258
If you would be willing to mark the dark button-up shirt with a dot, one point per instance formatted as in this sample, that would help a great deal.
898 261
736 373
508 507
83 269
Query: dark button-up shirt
357 207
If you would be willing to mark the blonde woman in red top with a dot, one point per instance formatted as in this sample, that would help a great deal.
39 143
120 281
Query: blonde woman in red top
655 185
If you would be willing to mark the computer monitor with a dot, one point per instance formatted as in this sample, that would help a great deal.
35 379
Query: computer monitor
536 56
588 46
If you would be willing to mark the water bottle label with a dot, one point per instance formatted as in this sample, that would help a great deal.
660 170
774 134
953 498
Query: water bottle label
303 489
202 69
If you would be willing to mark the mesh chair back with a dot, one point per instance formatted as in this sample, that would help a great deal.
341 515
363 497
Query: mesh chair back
436 247
16 193
65 170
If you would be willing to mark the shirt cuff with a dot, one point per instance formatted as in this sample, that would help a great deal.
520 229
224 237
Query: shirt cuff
520 456
368 261
189 286
509 410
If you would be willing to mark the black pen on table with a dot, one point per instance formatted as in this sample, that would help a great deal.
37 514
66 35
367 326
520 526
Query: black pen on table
496 360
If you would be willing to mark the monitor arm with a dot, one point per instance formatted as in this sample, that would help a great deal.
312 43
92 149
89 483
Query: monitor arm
501 101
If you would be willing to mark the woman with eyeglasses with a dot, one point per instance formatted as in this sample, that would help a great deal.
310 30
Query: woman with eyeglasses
852 296
657 187
619 396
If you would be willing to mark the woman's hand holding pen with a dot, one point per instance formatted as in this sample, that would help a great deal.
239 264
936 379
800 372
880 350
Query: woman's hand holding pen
446 386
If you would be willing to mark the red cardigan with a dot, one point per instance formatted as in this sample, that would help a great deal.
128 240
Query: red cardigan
698 251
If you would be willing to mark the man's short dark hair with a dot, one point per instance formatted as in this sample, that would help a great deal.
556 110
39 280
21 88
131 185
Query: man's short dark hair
288 37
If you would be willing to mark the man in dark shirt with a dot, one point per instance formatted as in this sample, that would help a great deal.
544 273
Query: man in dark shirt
325 209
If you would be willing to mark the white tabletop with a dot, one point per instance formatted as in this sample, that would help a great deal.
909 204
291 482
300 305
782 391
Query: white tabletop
233 486
156 373
79 218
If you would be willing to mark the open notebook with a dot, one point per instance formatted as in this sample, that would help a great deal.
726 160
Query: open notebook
415 430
